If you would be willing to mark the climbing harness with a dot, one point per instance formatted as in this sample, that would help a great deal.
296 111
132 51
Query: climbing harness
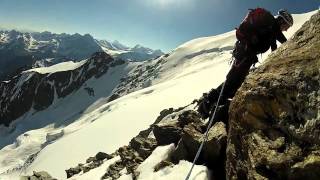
207 131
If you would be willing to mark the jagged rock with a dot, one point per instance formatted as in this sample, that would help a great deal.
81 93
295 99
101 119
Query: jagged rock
92 162
92 165
144 146
73 171
213 147
179 153
169 130
113 171
90 159
101 156
42 175
85 169
145 133
189 116
163 114
162 165
274 117
167 133
129 158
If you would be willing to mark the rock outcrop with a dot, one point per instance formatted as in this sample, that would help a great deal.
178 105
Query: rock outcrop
185 128
275 116
35 90
91 163
42 175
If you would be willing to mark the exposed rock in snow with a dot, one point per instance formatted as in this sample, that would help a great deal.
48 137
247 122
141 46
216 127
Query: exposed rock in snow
38 176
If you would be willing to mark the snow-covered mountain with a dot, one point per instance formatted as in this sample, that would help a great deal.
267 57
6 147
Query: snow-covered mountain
115 45
105 112
23 50
137 53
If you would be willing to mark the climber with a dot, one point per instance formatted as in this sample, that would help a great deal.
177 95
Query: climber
256 34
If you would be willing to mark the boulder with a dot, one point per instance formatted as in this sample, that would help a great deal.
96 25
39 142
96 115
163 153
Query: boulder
213 148
101 156
162 165
167 133
189 116
143 146
73 171
168 129
90 159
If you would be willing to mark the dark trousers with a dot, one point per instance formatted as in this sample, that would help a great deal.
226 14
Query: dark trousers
243 60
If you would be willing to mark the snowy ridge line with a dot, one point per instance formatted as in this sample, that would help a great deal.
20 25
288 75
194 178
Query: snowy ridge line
64 66
40 88
34 50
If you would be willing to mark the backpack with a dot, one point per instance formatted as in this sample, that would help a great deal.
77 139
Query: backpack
257 23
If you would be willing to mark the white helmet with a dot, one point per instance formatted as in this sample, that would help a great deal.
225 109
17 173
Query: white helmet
285 16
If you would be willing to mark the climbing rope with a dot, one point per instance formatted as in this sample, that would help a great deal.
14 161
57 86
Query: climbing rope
207 131
206 134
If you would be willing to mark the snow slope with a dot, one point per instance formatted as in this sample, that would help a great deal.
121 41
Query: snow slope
189 70
64 66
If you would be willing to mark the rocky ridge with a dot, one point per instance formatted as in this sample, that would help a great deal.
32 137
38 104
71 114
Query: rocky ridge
182 127
32 89
140 77
18 94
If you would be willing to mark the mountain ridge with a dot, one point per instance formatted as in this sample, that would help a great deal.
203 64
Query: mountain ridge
24 50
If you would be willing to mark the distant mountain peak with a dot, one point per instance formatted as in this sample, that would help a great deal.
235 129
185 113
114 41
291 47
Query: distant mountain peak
23 50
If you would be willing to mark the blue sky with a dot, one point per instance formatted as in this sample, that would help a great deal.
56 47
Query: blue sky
159 24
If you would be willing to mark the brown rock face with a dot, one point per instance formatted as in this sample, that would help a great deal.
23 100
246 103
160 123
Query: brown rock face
275 116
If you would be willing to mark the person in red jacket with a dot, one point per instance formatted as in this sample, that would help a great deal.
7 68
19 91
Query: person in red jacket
259 31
